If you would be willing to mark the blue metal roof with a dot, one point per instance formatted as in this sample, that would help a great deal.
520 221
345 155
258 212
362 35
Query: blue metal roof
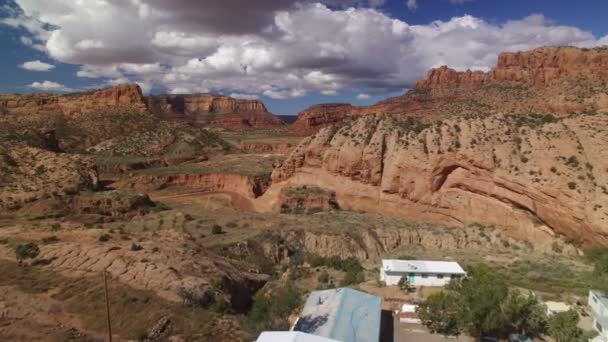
342 314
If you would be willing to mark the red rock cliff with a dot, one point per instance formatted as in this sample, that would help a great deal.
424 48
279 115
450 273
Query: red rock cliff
125 95
215 110
539 67
557 80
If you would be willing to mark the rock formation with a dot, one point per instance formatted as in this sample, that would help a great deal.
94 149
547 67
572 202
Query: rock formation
126 95
557 80
214 110
533 175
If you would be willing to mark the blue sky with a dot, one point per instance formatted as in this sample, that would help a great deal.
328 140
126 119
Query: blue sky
289 53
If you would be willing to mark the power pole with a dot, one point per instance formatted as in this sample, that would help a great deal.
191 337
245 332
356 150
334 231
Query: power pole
105 287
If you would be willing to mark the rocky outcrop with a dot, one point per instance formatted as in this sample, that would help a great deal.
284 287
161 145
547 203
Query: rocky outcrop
557 80
532 175
249 187
317 116
125 95
214 110
537 68
30 174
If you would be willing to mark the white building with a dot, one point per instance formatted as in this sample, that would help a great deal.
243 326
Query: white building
291 336
420 272
598 301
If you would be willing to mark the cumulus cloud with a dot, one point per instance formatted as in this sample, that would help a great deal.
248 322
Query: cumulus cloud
49 86
36 66
282 49
363 96
244 96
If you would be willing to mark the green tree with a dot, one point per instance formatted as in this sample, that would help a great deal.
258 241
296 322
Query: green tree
26 251
525 314
482 293
563 327
440 312
404 283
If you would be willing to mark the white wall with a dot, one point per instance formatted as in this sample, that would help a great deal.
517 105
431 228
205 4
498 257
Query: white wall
392 278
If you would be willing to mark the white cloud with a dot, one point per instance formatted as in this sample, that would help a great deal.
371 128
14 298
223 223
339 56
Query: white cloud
285 94
244 96
281 49
50 86
363 96
36 66
411 4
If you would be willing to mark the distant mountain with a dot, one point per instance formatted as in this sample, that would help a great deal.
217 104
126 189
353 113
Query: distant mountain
556 80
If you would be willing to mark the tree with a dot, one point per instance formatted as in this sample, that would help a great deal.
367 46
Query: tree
440 312
563 327
525 314
26 251
404 283
482 293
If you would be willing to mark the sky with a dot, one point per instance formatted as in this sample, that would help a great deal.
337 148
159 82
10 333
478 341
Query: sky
288 53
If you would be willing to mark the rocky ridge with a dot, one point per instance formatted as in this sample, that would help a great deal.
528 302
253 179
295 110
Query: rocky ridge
556 80
533 175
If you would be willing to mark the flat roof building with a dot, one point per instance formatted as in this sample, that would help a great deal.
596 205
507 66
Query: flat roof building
291 336
341 314
420 272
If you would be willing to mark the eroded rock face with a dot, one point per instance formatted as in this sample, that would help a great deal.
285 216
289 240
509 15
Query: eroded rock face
112 203
557 80
214 110
537 68
125 95
532 175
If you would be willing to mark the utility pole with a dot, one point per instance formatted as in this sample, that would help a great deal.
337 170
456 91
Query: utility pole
105 287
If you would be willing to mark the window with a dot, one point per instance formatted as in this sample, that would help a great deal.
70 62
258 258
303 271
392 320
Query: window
424 275
440 276
454 276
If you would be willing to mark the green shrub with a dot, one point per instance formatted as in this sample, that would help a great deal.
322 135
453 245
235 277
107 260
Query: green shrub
135 247
216 229
572 185
28 250
104 237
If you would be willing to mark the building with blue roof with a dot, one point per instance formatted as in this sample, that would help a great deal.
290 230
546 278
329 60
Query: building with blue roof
341 314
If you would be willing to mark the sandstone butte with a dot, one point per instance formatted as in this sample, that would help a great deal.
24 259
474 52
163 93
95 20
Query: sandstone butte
210 110
557 80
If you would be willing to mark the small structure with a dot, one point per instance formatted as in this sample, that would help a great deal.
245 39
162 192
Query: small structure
420 272
290 336
408 314
341 314
598 301
556 307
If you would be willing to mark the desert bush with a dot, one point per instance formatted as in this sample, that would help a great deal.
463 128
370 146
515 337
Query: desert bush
216 229
28 250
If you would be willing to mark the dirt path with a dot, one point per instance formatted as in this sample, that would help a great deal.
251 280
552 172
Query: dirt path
199 198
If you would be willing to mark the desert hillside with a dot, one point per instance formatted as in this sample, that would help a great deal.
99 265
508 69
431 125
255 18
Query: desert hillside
556 80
